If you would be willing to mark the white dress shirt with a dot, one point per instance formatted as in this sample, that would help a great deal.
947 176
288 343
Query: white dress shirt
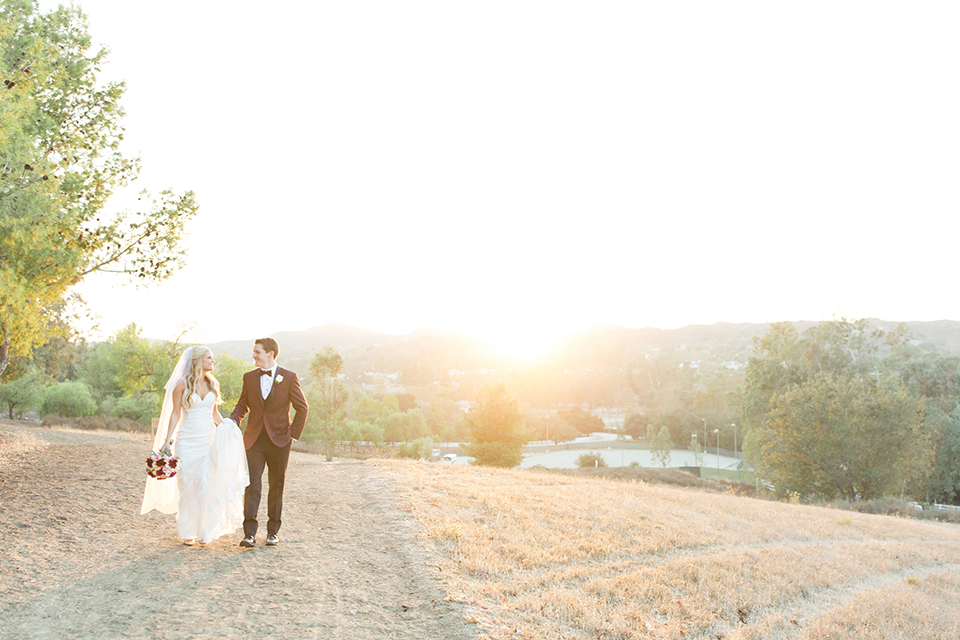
266 382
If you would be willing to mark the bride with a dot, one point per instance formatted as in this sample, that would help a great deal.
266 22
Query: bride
207 492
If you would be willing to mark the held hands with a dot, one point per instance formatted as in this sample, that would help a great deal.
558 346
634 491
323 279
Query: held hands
229 421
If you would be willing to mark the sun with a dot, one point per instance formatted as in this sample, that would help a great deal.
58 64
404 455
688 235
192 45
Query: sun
526 342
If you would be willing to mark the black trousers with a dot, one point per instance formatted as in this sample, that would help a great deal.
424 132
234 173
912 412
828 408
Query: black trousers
265 453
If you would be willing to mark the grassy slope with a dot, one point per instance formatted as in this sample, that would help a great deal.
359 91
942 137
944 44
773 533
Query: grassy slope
547 556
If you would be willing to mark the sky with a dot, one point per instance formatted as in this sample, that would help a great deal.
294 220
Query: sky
518 171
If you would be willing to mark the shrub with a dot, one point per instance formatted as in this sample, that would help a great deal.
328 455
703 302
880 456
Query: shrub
69 399
419 449
22 394
96 423
590 460
141 407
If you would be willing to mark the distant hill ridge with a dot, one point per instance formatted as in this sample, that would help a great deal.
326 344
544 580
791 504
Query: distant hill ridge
734 338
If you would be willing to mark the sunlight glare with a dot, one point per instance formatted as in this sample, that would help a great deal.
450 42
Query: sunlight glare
524 342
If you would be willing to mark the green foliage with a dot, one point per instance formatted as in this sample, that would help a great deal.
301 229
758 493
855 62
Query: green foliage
660 447
684 423
140 407
585 423
827 414
229 374
497 431
786 358
22 394
944 484
552 428
69 399
327 397
937 379
368 432
97 369
351 431
590 460
419 449
697 450
60 161
407 401
840 436
382 421
634 425
403 427
142 366
445 420
493 454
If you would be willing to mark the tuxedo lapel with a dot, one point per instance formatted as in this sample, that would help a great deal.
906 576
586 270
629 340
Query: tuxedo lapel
272 386
255 375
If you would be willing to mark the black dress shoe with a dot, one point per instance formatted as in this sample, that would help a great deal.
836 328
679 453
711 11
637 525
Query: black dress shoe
247 542
272 541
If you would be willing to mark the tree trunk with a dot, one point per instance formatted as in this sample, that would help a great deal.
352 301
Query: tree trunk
4 353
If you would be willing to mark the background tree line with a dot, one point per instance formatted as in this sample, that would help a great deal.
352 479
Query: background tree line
839 410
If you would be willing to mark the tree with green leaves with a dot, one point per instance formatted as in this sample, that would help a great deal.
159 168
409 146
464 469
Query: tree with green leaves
445 420
555 428
97 368
785 358
328 399
142 366
660 447
22 394
229 373
586 423
68 399
633 425
851 437
60 161
697 450
936 378
497 431
827 413
404 426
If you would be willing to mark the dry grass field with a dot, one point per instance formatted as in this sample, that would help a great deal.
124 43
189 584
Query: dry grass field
539 555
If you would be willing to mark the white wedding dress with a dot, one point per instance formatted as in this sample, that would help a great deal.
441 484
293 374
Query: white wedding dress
212 473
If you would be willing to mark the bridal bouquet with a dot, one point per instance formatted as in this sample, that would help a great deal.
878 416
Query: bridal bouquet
162 465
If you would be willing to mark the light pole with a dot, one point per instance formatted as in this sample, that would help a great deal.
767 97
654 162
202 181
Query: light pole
736 456
717 431
704 435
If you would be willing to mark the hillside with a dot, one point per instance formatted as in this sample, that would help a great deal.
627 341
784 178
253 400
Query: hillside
402 549
604 345
549 557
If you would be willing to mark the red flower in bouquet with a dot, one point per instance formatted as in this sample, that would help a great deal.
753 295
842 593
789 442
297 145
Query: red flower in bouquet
162 465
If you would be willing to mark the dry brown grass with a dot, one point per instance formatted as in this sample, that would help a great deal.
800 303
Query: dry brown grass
540 555
15 445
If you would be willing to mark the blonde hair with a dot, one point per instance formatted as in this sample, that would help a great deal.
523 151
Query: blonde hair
195 374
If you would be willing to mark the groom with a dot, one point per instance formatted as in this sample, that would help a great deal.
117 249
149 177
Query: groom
268 393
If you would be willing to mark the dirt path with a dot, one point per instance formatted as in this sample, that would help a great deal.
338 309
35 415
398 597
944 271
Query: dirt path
78 561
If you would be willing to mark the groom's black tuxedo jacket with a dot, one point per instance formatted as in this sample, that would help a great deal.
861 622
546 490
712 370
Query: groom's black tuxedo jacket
272 414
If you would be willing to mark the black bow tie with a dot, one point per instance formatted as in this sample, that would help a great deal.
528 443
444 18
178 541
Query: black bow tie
266 373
